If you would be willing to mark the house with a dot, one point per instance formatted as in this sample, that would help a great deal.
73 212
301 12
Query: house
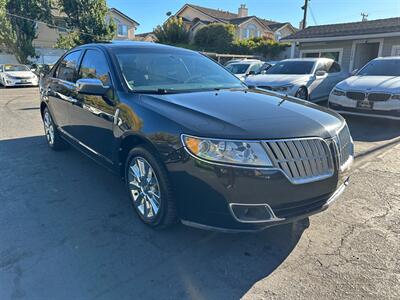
195 17
146 37
126 26
351 44
47 36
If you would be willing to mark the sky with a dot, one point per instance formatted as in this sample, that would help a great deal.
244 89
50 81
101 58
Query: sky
150 13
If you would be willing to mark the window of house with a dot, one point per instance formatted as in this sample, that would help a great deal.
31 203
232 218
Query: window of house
94 65
335 55
251 31
122 29
67 68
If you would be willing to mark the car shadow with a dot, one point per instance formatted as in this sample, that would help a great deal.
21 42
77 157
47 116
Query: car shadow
365 129
68 231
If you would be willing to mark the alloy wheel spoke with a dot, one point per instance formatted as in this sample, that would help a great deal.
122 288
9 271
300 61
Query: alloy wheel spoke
154 204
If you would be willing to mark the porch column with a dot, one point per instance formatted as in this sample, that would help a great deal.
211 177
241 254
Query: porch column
292 49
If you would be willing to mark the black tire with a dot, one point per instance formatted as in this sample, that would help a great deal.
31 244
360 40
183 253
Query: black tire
56 142
302 93
167 213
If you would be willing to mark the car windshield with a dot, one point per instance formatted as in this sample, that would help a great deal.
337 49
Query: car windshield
291 67
238 68
13 68
147 71
381 67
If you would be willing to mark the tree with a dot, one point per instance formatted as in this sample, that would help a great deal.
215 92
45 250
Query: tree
215 37
17 28
173 31
87 21
258 46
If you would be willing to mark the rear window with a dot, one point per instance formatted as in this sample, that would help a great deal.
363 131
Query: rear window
292 67
238 68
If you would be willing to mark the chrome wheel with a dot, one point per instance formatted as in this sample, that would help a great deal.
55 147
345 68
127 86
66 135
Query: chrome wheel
48 127
302 94
144 187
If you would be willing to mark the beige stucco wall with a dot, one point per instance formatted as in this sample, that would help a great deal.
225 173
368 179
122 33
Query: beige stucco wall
131 27
190 13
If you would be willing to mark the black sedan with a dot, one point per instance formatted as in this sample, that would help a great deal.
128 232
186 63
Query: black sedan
191 141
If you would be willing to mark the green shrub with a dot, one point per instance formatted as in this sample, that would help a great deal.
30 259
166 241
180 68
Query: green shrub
172 31
215 37
258 46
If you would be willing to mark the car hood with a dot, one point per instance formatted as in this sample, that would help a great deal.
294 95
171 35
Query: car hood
252 114
277 79
22 74
390 84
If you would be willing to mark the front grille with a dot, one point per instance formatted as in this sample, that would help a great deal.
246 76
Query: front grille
355 95
345 146
293 209
302 160
378 97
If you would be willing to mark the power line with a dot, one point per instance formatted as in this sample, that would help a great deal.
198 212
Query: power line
50 25
312 15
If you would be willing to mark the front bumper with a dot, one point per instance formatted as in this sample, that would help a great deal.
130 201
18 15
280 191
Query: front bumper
21 82
389 109
206 192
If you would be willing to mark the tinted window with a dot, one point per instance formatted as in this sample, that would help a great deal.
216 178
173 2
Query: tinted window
256 68
323 66
381 67
94 65
178 71
292 67
68 67
335 68
238 68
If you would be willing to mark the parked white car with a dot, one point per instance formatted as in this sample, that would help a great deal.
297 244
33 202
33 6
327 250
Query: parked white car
242 69
373 91
305 78
17 75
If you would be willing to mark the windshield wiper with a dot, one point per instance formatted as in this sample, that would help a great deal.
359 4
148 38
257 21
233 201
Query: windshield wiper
157 91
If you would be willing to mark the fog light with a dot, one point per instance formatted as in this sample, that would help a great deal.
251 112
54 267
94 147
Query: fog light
253 213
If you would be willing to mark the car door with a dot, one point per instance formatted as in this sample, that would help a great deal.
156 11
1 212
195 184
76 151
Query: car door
61 89
317 89
92 116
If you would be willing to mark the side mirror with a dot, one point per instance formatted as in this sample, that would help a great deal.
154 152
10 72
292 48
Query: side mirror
354 72
251 73
91 86
320 73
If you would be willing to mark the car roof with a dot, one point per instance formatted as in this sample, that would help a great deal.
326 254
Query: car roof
313 59
135 45
388 58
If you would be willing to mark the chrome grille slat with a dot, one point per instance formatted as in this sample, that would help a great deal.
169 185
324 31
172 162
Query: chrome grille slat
302 160
297 158
345 146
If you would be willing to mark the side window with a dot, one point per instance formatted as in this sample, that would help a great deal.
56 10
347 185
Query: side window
256 67
322 66
67 68
94 65
335 68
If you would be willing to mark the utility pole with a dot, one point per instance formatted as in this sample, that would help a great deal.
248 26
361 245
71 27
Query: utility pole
305 8
364 17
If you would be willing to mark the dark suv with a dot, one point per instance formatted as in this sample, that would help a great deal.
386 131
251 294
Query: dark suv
191 141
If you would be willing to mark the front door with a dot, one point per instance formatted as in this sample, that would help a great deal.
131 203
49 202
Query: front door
365 52
92 117
61 89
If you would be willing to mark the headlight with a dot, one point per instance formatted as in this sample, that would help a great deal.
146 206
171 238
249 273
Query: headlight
284 88
338 92
225 151
395 97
